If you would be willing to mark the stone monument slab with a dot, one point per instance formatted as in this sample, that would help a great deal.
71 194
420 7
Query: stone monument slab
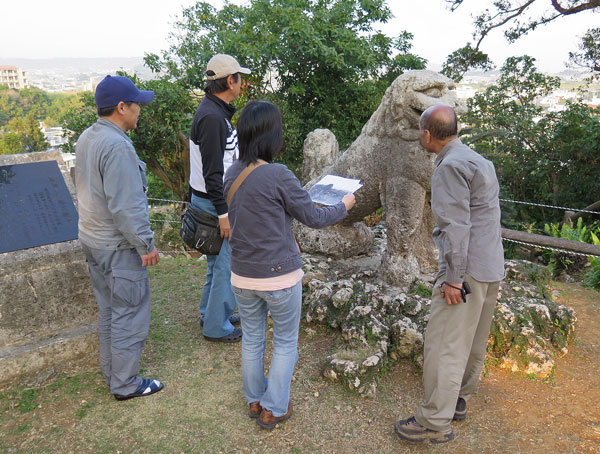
48 313
36 207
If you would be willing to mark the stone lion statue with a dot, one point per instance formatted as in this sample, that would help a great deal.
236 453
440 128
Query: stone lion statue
395 170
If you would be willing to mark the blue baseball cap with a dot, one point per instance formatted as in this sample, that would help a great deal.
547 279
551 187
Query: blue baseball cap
114 89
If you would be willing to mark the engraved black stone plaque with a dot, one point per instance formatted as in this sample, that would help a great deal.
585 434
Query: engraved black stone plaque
36 207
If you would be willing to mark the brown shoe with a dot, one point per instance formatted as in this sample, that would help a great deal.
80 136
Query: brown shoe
266 420
254 409
410 430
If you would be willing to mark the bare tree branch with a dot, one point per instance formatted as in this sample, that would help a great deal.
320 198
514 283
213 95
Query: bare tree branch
506 12
565 11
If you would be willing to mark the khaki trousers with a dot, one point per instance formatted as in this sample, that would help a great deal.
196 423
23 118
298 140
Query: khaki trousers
455 346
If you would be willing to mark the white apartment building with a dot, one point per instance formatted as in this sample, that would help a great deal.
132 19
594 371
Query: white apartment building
13 77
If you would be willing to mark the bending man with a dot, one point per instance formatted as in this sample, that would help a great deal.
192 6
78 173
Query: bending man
464 200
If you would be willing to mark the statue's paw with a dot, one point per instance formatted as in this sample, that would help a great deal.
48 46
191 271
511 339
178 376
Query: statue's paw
337 241
400 270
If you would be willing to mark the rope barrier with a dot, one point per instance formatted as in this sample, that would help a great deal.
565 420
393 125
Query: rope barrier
168 200
166 220
184 251
504 239
550 248
578 210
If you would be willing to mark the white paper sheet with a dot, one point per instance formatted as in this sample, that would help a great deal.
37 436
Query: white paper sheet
331 188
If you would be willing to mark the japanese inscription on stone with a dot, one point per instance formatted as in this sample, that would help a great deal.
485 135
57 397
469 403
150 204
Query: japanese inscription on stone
36 207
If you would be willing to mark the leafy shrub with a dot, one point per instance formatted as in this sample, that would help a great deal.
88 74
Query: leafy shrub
592 277
561 261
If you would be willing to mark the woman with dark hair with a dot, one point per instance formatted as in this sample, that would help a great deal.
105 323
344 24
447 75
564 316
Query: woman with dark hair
266 268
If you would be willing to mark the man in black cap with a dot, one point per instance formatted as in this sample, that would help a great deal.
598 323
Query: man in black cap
114 230
213 148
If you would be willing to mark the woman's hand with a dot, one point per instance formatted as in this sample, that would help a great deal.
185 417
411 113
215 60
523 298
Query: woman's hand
349 200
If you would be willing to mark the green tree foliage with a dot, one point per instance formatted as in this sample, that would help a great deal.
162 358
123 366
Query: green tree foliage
10 143
159 139
19 103
517 18
588 55
462 60
545 157
321 61
30 137
21 112
77 118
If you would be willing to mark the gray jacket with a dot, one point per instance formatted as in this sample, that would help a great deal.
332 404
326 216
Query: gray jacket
260 215
464 200
111 190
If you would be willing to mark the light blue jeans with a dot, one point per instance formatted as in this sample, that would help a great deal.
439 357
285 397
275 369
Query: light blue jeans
272 393
217 303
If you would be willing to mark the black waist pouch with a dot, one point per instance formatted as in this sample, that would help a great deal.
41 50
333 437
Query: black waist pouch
200 231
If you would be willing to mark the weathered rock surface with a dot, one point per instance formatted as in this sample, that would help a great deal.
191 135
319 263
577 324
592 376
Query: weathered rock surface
381 323
529 329
395 171
321 149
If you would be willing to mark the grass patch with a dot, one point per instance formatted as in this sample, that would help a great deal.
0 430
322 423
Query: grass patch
202 408
176 290
27 400
421 289
80 413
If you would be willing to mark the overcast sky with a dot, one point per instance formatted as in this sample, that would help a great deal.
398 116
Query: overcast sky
130 28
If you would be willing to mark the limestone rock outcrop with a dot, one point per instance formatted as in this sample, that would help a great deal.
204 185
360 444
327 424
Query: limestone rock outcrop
380 323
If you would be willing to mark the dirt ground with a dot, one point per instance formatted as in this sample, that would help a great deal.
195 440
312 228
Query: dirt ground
202 409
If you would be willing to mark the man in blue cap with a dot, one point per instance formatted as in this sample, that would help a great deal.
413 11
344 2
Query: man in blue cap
115 234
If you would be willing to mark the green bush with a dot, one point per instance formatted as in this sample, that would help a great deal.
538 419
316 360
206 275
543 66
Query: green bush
592 277
561 261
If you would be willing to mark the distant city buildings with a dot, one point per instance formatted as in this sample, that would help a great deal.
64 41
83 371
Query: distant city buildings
572 82
13 76
54 136
56 75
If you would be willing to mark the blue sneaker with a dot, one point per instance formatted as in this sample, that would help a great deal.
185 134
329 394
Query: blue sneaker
149 386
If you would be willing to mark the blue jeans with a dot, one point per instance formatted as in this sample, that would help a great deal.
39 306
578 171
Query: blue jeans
217 303
284 305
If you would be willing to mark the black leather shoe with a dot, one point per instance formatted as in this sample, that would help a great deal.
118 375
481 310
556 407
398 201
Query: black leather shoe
461 410
234 336
234 320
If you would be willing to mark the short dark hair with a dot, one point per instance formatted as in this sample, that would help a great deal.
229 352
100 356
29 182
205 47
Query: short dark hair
108 111
260 132
440 125
218 85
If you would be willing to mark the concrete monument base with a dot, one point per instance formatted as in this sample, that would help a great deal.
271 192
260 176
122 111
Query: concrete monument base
48 312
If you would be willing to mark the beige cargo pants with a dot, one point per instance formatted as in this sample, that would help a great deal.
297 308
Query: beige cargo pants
455 346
